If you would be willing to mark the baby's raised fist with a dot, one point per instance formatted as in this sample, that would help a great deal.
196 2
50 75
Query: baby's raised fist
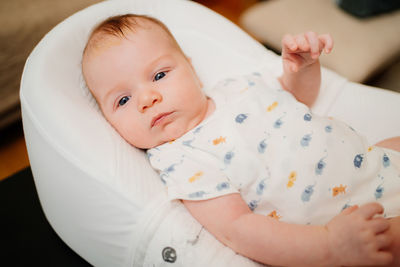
302 50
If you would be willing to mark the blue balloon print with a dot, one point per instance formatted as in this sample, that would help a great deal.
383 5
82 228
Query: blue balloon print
305 141
228 81
197 130
253 205
228 157
307 193
278 123
346 206
240 118
251 83
320 166
385 160
358 160
188 143
379 192
262 146
328 129
222 186
162 175
260 187
170 168
198 194
307 117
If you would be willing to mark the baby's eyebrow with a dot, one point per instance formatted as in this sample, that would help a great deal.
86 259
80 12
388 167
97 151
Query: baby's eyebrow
109 95
157 61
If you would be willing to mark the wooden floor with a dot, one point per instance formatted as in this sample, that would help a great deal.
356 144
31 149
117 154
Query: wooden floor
231 9
13 154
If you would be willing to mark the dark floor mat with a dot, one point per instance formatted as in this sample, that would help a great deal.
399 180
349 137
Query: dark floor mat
26 237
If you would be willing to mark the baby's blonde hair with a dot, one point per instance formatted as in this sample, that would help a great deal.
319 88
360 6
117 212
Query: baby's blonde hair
119 26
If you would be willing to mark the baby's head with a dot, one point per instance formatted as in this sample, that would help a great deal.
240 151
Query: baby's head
144 84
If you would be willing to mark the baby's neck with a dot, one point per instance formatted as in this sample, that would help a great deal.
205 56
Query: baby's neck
210 107
208 110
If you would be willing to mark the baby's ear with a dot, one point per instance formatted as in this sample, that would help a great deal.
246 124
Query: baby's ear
189 59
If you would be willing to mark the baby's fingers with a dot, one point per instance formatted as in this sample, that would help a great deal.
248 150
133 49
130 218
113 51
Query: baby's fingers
289 43
302 43
326 42
349 210
314 44
382 258
383 241
379 225
368 211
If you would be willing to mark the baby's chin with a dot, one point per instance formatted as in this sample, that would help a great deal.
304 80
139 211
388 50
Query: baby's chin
169 135
146 146
169 140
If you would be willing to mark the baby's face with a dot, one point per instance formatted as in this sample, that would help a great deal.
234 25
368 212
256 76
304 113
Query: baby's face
146 87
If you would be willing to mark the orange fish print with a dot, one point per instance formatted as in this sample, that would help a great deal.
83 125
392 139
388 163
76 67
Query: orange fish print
274 215
339 189
292 179
244 90
219 140
195 177
370 148
272 106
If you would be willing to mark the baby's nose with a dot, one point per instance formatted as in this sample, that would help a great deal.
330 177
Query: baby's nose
147 99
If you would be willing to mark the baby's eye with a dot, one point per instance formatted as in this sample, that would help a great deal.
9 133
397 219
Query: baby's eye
159 75
123 100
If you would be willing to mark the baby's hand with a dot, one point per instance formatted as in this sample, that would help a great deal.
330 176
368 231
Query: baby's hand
357 238
302 50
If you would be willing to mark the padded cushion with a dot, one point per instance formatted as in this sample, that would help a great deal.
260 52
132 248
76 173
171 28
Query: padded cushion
362 46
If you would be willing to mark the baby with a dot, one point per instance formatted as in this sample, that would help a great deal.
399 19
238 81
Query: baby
250 161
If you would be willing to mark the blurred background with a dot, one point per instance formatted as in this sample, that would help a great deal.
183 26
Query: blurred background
366 33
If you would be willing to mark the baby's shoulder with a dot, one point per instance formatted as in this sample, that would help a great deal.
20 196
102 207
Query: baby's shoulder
165 155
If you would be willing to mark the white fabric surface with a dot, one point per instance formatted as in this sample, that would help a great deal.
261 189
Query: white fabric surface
99 194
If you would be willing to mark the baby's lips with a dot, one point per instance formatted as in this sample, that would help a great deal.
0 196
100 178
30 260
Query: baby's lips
156 119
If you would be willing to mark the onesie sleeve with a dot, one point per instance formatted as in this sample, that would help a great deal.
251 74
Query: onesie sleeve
271 79
189 176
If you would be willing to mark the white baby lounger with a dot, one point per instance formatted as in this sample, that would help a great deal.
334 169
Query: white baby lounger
99 194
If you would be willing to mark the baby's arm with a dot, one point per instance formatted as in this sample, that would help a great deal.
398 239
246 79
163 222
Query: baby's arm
353 237
301 68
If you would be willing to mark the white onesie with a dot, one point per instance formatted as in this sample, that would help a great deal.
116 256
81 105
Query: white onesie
285 162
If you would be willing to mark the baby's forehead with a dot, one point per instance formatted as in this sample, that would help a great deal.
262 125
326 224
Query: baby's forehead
101 43
101 40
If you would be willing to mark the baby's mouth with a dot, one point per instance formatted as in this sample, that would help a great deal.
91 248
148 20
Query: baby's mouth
158 119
